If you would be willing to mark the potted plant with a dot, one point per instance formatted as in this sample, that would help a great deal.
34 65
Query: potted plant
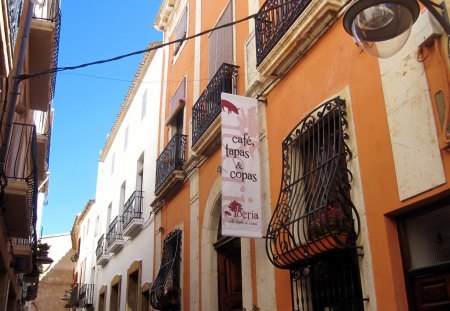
330 220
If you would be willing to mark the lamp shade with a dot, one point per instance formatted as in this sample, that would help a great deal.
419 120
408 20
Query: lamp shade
381 27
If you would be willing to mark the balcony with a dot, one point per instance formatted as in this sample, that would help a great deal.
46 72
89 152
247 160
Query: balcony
103 257
73 298
132 215
43 51
169 166
14 12
114 238
21 175
206 111
86 296
286 29
43 122
22 254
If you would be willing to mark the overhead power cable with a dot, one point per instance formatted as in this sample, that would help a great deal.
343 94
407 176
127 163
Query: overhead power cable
155 47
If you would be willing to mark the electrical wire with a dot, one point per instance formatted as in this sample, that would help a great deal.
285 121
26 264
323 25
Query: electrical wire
155 47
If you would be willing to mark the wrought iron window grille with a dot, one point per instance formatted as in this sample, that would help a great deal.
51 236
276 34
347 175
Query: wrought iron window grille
330 284
133 208
314 214
165 293
172 158
274 19
207 107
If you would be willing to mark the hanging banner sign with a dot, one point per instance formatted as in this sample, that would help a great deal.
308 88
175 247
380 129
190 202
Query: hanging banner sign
241 189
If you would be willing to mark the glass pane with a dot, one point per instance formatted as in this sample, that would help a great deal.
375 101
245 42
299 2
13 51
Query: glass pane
429 238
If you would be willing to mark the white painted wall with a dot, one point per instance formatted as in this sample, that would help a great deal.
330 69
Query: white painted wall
411 123
142 139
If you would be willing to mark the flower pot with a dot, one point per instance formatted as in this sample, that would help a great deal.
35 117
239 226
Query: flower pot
316 247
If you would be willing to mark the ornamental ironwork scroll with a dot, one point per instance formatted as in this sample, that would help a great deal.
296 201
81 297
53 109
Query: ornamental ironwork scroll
165 293
132 208
171 158
207 107
314 214
15 9
332 283
274 19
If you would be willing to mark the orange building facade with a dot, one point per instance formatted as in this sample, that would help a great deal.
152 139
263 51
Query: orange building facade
354 154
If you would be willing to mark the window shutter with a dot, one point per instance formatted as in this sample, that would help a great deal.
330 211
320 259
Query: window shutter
177 102
220 43
180 31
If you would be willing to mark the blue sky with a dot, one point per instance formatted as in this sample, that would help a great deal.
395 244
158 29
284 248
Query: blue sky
87 100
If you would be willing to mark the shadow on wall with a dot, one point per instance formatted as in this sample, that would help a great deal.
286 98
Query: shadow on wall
54 282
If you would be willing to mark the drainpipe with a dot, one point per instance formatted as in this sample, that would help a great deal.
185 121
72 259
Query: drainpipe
14 91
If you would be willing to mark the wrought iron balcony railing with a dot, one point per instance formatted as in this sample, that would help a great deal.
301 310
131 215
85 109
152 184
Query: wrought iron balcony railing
47 10
86 295
101 246
73 301
274 20
207 107
14 10
44 122
114 231
20 163
21 241
20 160
132 208
172 158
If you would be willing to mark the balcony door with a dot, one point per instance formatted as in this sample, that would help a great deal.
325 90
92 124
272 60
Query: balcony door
229 273
425 240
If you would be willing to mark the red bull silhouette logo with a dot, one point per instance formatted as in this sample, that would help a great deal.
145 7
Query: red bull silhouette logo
231 107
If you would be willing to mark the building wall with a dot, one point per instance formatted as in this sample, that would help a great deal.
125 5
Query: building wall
58 276
399 161
142 140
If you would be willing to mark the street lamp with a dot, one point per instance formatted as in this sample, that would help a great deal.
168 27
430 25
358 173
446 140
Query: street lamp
382 27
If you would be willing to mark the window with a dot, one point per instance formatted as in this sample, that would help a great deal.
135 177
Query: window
424 237
314 202
102 299
176 103
145 302
315 286
312 230
144 105
125 140
122 197
166 291
114 301
97 221
108 216
220 43
180 32
140 173
113 159
134 286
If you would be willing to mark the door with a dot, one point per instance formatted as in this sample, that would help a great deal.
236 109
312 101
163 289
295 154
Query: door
425 240
432 293
229 274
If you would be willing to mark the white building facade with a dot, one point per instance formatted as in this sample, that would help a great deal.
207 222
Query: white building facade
114 235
